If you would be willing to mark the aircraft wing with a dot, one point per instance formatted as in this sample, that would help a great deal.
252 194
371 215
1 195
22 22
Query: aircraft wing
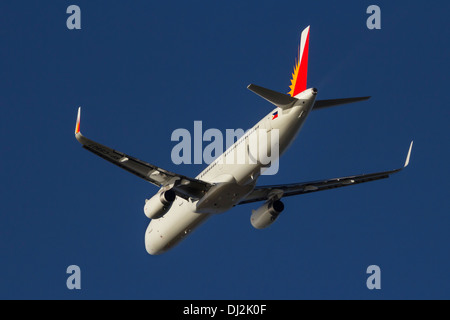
183 186
264 193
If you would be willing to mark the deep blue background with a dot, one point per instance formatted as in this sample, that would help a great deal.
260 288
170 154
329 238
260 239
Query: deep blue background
141 69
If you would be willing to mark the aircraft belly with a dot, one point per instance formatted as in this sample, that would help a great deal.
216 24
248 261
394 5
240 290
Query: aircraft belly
231 184
164 233
223 196
183 217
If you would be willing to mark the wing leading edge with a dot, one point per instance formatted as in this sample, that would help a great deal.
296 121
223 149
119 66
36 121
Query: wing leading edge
183 186
264 193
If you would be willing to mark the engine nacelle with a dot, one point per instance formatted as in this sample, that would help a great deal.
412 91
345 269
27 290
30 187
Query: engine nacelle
159 204
267 214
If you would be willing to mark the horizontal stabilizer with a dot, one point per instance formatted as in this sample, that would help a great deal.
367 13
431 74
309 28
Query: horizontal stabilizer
336 102
281 100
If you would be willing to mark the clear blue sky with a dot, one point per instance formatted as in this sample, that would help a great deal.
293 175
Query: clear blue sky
141 69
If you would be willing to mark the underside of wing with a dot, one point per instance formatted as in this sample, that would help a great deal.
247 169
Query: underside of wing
183 186
286 190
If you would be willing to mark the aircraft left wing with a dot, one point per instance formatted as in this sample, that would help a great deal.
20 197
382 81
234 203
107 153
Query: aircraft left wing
285 101
276 192
183 186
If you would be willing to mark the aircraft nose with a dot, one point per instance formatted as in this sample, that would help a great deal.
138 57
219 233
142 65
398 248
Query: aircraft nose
152 249
153 243
153 246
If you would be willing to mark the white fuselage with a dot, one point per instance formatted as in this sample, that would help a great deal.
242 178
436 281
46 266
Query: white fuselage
233 177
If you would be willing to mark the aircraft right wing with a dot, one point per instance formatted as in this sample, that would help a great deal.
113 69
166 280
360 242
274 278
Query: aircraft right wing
265 193
183 186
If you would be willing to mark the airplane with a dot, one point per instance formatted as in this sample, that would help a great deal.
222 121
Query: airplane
183 203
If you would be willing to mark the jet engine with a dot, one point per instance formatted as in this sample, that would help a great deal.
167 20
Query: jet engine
159 204
267 214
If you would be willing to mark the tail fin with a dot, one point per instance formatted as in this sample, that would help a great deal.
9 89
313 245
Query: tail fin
299 77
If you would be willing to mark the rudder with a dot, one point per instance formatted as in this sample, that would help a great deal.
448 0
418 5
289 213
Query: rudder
299 77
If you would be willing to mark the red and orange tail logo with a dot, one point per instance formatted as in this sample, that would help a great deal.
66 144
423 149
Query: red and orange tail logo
299 77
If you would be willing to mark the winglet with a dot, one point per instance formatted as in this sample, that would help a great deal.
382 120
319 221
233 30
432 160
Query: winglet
77 126
409 155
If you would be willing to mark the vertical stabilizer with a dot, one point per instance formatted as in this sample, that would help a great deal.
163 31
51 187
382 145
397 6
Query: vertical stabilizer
299 77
